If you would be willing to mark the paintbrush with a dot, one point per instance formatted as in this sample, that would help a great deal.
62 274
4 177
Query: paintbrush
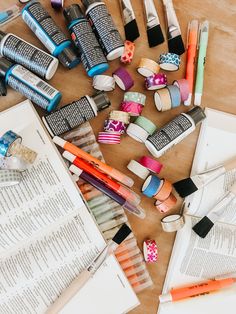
203 227
88 273
130 24
154 32
190 185
175 41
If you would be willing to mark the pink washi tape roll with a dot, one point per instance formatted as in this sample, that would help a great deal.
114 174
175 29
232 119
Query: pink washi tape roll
156 81
123 79
133 108
128 53
166 205
183 87
151 164
109 138
150 251
114 126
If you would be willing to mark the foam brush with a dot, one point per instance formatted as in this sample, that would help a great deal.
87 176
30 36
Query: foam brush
88 273
154 32
190 185
130 24
203 227
175 41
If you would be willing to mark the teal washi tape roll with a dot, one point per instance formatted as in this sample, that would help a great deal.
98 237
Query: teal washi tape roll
146 124
169 61
137 97
7 140
174 95
151 186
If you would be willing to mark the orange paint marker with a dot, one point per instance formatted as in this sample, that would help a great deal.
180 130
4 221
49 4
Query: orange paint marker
196 290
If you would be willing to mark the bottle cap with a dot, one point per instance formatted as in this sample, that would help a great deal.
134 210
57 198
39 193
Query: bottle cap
101 100
69 58
87 3
2 35
197 114
73 12
4 66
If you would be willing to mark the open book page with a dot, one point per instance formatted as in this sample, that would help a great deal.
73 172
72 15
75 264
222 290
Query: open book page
47 233
216 145
195 259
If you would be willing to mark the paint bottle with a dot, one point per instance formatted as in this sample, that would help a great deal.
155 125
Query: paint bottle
92 56
31 57
104 28
51 36
75 113
174 132
29 85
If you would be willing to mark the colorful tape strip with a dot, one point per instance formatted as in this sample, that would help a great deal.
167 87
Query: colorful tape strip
104 83
151 164
119 116
172 223
137 133
162 100
114 126
150 251
139 170
174 95
128 54
164 192
166 205
146 124
156 81
183 87
148 67
133 108
151 186
12 162
123 79
169 61
23 152
9 177
109 138
139 98
6 142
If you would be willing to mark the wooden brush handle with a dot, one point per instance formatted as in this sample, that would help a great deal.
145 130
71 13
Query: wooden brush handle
230 165
69 293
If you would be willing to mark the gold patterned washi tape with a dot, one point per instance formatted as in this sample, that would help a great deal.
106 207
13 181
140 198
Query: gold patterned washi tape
22 152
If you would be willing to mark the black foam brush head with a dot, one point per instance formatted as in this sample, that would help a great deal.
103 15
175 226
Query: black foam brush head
155 36
203 227
176 45
185 187
121 234
131 31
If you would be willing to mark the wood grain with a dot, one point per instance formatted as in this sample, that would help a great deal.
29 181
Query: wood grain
219 93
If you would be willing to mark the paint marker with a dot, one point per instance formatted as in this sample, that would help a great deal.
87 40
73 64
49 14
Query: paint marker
105 217
115 174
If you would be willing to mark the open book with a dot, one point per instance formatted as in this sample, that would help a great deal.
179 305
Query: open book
48 236
195 259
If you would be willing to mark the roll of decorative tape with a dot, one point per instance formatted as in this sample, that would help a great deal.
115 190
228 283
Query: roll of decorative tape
151 164
12 163
137 133
174 95
156 81
146 124
139 98
114 126
23 152
162 100
108 138
164 192
57 4
7 140
123 79
138 169
169 61
148 67
119 116
128 53
24 1
150 251
167 204
9 177
151 186
133 108
172 223
104 83
183 87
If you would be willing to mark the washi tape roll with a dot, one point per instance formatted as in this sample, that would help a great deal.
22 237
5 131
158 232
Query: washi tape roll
9 177
162 100
57 4
156 81
137 133
108 138
148 67
166 205
123 79
150 251
151 186
12 163
133 108
164 192
23 152
139 98
119 116
138 169
174 95
24 1
104 83
151 164
114 126
128 53
169 61
7 140
146 124
172 223
183 87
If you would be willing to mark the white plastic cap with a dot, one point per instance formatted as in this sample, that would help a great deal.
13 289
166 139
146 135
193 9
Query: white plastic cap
59 141
77 171
197 99
188 101
68 156
165 298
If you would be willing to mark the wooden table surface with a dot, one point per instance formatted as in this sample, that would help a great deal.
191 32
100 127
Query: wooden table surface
219 93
